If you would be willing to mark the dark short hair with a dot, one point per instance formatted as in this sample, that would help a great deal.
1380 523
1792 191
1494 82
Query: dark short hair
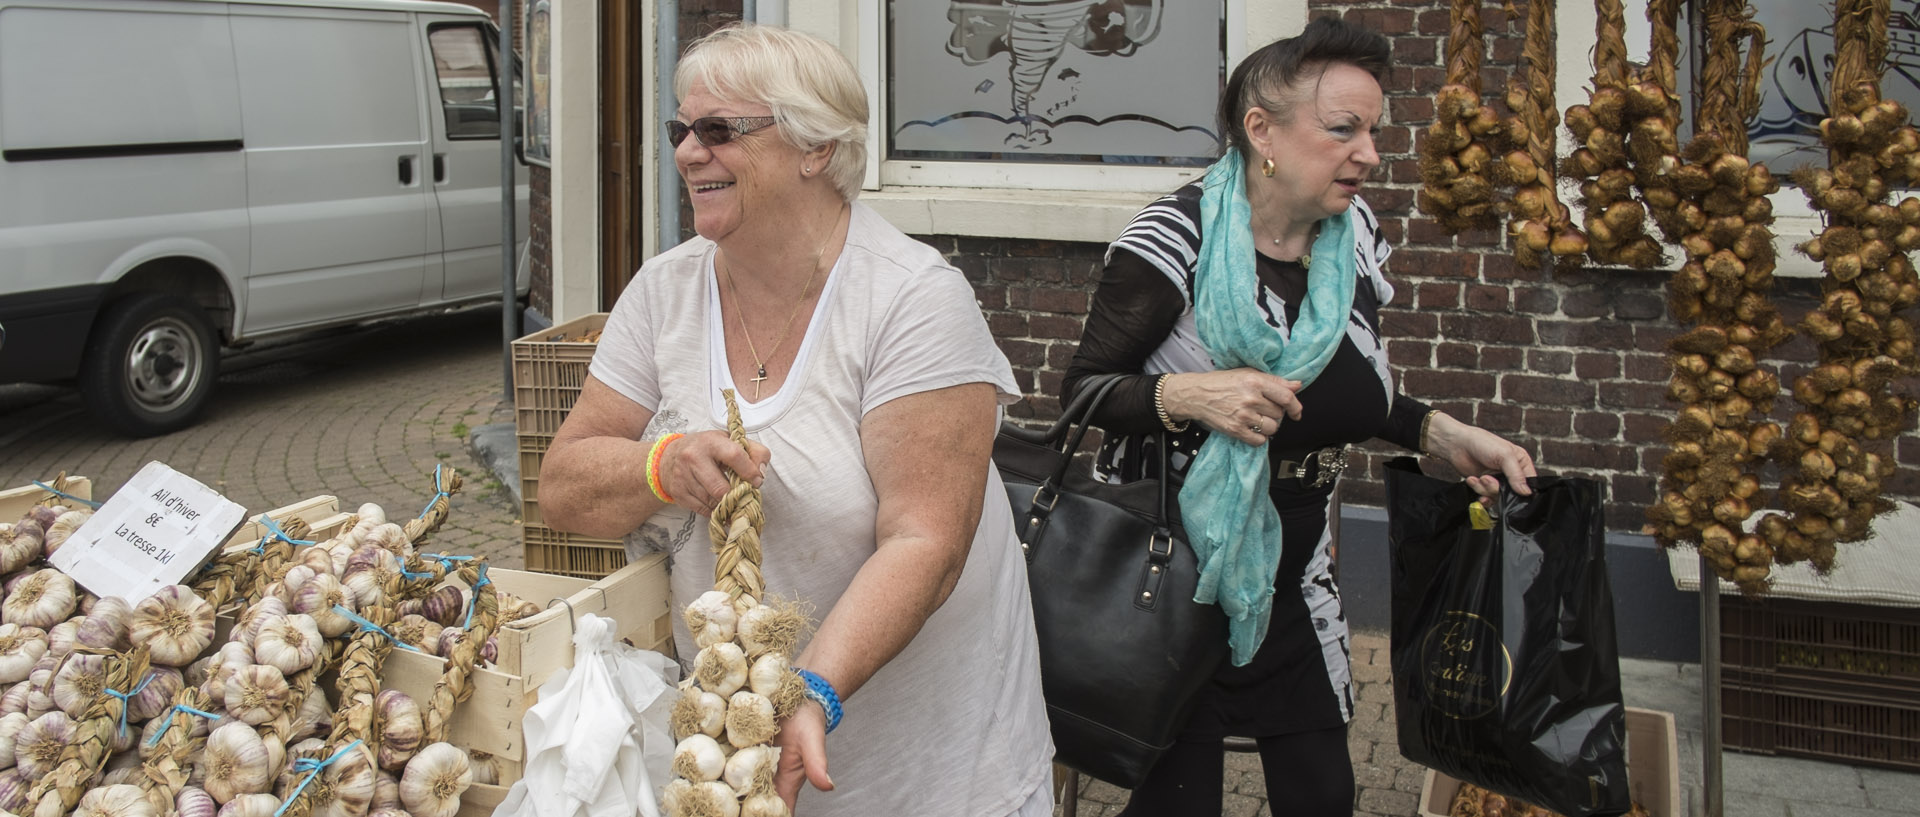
1283 64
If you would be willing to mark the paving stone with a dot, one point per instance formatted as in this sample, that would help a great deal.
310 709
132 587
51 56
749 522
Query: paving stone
1892 791
1239 805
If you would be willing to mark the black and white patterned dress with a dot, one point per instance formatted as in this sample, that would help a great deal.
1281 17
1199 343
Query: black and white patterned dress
1142 321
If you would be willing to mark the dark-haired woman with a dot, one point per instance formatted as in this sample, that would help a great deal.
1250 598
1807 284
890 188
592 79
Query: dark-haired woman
1247 305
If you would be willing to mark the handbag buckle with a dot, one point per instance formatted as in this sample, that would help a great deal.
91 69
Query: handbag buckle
1332 462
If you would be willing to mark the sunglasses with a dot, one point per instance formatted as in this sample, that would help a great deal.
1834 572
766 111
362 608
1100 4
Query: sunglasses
714 131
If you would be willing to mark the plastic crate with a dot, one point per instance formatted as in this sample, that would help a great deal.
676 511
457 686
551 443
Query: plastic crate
1822 641
548 371
551 551
1848 724
1824 680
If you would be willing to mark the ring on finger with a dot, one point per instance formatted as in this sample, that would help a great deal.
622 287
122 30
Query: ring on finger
1258 427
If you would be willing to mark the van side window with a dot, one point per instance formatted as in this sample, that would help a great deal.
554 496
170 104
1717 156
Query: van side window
463 64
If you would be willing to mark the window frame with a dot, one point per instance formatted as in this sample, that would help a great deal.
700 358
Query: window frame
1072 202
489 44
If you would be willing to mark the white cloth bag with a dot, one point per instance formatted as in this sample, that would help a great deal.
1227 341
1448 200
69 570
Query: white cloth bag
598 740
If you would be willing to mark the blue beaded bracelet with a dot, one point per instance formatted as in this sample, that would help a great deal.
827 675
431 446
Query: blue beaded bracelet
821 692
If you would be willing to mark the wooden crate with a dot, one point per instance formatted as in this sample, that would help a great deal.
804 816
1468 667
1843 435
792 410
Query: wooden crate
531 649
14 502
1653 769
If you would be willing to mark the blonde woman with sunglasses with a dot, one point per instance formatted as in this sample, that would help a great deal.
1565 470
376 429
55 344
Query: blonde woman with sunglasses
869 386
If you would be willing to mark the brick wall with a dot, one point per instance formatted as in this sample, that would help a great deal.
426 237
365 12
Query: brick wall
1571 364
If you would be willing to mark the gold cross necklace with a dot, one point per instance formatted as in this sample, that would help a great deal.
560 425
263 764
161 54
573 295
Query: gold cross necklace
760 366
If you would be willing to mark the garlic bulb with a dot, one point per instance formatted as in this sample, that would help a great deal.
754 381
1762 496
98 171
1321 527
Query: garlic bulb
61 639
63 528
296 577
105 627
20 648
372 514
366 589
721 669
156 693
434 780
711 618
699 758
15 698
710 798
368 558
698 712
319 559
417 630
514 608
257 694
389 536
10 726
444 606
486 769
232 656
37 747
770 628
116 801
450 637
250 805
236 763
289 643
750 719
318 597
13 791
194 801
401 728
40 693
248 625
764 805
79 682
750 770
46 598
350 783
315 718
386 794
175 622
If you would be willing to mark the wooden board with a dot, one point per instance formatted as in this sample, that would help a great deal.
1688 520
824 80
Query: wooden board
14 502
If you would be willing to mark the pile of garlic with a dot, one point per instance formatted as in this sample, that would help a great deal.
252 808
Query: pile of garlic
259 687
1615 220
742 686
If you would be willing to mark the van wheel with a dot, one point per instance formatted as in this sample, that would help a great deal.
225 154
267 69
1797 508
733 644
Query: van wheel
150 364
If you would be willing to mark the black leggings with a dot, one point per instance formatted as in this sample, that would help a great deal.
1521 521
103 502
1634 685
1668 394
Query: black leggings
1308 775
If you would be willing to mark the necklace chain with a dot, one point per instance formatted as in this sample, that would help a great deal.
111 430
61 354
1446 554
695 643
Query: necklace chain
760 366
1306 258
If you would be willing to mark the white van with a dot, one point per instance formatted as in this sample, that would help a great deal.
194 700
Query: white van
178 176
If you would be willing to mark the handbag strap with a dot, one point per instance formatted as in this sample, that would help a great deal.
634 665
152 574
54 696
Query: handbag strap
1065 436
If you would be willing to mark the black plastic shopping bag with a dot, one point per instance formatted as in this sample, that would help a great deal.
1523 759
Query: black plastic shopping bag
1505 669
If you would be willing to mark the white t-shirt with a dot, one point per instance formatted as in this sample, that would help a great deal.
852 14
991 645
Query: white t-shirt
955 724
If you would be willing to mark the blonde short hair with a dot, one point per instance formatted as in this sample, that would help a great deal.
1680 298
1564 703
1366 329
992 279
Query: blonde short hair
814 92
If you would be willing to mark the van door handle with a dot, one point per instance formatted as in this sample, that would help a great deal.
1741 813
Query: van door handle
406 171
439 168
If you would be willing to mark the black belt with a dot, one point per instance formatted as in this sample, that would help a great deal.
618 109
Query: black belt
1315 469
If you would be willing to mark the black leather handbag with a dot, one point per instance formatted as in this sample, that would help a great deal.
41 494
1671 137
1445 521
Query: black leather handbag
1123 646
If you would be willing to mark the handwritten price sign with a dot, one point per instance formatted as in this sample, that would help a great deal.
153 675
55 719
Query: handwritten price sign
155 530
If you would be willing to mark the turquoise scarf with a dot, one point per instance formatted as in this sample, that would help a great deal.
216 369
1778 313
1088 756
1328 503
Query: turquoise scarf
1232 526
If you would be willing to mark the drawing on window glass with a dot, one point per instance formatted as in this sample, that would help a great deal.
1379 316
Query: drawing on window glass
1794 91
1056 80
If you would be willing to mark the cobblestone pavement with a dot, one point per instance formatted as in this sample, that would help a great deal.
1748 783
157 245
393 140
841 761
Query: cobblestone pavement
364 417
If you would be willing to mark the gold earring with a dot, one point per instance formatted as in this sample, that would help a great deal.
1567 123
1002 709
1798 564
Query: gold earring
1266 169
